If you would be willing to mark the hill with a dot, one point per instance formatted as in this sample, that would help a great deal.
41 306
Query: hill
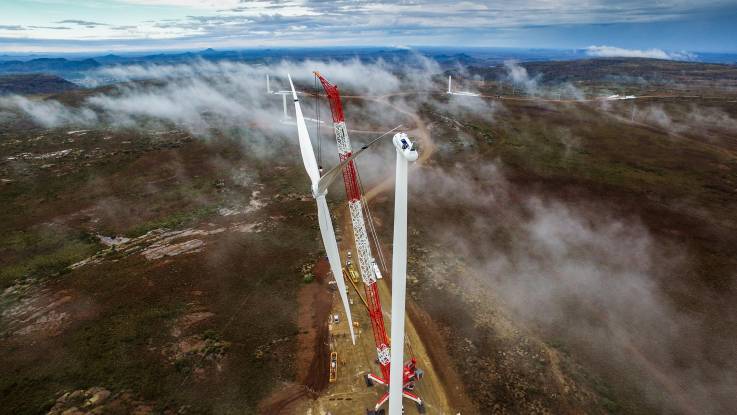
37 83
53 65
618 69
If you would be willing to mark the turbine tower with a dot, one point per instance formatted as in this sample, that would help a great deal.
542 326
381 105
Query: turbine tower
398 378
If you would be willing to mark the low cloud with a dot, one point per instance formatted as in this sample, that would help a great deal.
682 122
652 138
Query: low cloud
613 51
519 77
50 113
582 274
229 98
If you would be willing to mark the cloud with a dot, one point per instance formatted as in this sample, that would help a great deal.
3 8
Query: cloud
50 113
82 23
207 98
520 78
232 23
12 27
51 27
704 121
612 51
204 4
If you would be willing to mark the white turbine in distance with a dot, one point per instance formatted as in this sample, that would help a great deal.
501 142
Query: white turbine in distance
406 152
464 94
286 118
617 97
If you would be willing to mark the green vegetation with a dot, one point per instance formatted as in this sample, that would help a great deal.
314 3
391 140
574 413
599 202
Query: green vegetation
173 221
42 253
35 83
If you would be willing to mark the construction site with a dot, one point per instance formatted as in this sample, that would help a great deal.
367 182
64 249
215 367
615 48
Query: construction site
354 344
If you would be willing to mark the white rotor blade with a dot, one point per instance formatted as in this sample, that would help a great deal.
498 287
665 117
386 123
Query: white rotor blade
331 248
323 213
305 145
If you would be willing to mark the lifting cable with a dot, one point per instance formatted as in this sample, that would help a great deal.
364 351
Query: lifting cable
371 227
317 126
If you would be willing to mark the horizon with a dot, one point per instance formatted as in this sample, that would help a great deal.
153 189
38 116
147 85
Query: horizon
496 52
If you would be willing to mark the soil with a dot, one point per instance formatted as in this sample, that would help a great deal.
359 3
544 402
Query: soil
313 353
313 357
431 334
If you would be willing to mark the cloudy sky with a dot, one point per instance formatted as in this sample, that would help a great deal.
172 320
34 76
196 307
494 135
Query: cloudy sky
119 25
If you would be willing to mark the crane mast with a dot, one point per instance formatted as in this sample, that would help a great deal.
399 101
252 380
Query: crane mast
363 248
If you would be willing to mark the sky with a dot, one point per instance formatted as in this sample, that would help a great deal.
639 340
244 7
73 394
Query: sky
674 26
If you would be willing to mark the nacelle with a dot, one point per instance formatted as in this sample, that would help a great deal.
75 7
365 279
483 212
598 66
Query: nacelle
405 146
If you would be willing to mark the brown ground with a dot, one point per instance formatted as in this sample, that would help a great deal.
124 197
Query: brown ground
315 301
313 353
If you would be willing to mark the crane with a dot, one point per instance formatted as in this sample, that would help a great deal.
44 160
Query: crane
365 259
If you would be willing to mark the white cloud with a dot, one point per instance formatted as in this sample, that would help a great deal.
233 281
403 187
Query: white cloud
199 4
613 51
229 23
520 78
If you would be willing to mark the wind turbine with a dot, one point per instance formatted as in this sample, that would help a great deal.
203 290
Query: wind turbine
461 93
406 152
286 119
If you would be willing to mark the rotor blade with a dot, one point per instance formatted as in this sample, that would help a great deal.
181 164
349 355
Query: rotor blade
305 145
399 286
331 248
330 176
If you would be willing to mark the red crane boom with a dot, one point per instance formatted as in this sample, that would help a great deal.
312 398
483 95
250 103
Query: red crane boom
353 193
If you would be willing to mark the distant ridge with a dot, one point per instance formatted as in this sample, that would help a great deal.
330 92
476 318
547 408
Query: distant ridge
602 69
37 83
52 65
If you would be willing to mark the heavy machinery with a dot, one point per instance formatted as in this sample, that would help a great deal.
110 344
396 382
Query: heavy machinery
333 367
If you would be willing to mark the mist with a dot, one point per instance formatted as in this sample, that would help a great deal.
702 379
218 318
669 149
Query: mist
581 274
518 76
